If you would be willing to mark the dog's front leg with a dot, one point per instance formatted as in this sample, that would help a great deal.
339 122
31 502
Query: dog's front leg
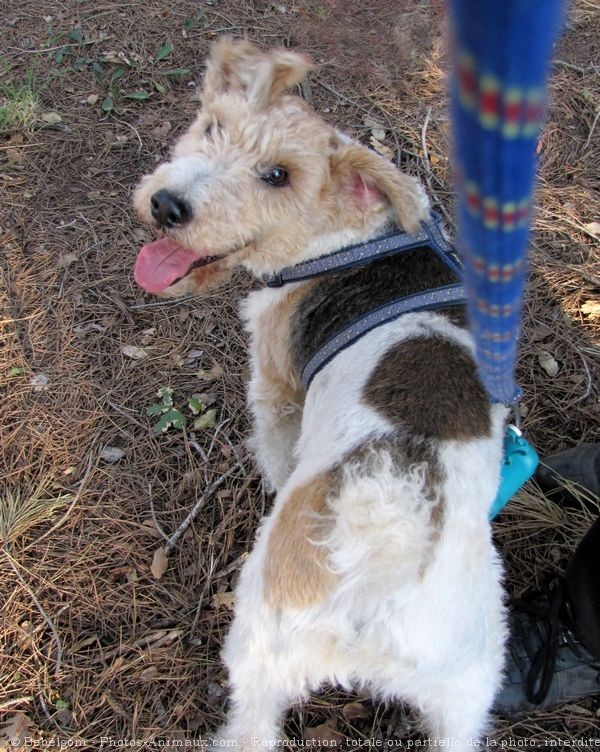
277 411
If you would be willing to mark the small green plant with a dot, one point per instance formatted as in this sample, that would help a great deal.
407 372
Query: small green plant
21 509
194 21
112 69
206 418
169 416
19 105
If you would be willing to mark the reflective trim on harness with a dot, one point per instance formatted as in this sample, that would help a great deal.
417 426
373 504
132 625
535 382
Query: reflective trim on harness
430 235
423 301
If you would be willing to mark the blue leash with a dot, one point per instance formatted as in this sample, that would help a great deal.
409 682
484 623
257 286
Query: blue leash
501 53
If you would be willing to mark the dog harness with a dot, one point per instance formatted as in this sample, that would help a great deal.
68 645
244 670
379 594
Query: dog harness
430 236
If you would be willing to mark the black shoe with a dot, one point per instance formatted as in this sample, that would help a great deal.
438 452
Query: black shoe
546 663
580 465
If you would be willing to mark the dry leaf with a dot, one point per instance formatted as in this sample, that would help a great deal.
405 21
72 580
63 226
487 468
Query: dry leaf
149 673
579 709
593 227
13 733
226 599
540 331
355 710
548 363
92 99
39 382
66 259
52 118
207 399
322 736
162 131
378 133
151 528
14 156
131 351
114 57
194 354
147 335
215 373
591 308
160 563
382 149
111 454
86 642
371 123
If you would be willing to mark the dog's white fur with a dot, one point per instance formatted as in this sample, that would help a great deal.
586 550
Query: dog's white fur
435 641
412 614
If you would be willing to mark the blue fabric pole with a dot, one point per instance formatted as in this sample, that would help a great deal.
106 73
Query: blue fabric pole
501 54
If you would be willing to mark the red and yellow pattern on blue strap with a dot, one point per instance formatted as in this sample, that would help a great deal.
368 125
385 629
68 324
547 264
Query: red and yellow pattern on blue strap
501 54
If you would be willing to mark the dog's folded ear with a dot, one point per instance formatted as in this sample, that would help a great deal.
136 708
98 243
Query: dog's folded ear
262 77
371 183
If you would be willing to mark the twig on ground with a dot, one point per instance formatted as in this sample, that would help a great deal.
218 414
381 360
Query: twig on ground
207 583
424 142
174 539
198 448
337 94
137 135
40 608
14 701
157 524
235 564
570 66
589 138
155 639
236 454
125 414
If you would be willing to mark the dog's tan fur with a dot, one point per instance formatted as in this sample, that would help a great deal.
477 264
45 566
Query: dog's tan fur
380 520
296 569
334 185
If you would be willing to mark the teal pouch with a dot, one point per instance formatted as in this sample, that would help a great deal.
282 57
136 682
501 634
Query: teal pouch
520 462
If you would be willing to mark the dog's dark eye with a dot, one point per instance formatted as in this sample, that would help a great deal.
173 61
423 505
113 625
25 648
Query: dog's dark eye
276 176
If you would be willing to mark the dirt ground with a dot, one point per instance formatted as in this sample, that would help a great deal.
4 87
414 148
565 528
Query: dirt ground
92 644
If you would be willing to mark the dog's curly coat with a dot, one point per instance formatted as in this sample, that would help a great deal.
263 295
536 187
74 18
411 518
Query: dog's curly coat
375 566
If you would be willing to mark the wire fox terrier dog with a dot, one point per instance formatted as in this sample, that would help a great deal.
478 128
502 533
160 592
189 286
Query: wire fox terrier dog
375 568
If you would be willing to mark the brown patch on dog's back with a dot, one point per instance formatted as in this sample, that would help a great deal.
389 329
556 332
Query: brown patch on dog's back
295 570
429 386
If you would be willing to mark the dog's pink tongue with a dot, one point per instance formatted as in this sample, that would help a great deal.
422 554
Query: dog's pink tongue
160 263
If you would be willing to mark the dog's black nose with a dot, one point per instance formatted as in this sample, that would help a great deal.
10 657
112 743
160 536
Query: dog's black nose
169 210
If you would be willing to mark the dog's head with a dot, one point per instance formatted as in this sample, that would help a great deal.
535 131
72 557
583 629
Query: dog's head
258 177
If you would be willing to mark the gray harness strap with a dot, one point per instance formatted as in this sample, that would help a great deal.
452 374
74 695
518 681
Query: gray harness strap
422 301
430 235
